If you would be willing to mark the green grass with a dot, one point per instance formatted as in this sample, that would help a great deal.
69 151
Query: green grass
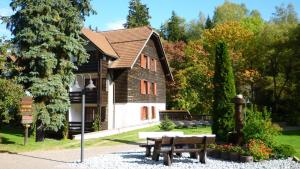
291 138
12 139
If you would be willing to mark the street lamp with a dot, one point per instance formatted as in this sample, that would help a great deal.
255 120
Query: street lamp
90 86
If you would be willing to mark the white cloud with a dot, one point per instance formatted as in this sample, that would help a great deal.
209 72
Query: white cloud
118 24
6 12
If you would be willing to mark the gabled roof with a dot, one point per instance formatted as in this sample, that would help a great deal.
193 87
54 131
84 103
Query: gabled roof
100 42
125 45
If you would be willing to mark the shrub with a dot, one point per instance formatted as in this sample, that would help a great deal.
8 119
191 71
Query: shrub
167 124
259 150
258 125
283 151
236 149
97 123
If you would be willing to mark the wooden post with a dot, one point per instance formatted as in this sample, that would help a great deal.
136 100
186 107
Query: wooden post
239 102
26 134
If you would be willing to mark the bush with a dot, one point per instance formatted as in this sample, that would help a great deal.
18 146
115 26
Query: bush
97 123
258 125
10 96
283 151
167 124
259 150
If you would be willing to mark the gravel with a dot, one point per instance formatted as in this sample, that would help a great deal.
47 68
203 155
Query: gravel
136 160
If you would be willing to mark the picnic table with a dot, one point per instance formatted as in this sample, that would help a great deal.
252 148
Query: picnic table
170 145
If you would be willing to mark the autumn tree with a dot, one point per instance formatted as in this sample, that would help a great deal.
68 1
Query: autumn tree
224 91
229 11
47 36
138 15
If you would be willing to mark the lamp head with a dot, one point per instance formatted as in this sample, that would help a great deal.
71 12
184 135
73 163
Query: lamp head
91 85
76 85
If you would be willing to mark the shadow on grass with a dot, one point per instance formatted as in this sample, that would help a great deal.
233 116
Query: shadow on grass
291 132
123 141
5 140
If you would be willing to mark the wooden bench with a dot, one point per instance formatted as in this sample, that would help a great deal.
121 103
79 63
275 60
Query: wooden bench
194 144
149 145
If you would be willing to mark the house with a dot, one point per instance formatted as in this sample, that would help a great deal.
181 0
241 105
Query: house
130 71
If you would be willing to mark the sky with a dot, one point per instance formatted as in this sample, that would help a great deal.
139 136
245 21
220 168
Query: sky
111 14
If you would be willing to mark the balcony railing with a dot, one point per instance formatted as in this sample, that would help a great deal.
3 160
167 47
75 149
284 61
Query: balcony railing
90 97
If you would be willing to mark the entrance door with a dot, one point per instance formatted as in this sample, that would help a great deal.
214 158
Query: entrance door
90 114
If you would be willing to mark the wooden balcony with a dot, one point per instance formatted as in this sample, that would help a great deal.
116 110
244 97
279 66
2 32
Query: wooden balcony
90 97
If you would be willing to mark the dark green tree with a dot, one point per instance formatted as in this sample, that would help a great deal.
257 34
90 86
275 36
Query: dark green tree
224 91
47 35
138 15
174 29
208 23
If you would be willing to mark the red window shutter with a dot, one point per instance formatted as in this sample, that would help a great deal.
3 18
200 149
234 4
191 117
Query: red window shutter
143 87
153 112
154 65
148 62
142 113
143 61
155 90
148 88
146 113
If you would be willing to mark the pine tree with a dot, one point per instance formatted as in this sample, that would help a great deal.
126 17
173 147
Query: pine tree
224 91
138 15
47 37
208 23
174 28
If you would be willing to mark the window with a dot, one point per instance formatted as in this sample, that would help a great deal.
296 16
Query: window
145 87
144 113
153 114
153 65
90 113
144 61
104 85
103 114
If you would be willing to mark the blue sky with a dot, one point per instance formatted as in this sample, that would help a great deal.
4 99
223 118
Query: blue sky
111 14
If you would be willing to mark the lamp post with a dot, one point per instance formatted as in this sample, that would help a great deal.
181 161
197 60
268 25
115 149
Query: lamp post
90 86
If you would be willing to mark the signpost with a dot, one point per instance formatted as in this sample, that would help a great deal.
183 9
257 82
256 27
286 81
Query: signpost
26 113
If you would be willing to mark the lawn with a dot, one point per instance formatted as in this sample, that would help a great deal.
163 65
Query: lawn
12 139
292 138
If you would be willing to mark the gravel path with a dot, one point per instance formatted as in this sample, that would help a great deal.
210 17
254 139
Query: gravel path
136 160
55 158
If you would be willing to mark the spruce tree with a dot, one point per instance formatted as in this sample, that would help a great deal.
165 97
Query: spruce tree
174 29
138 15
47 38
208 23
224 91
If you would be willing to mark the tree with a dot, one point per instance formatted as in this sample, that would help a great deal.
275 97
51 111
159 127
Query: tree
208 23
47 35
229 12
10 92
138 15
285 14
195 27
174 29
224 91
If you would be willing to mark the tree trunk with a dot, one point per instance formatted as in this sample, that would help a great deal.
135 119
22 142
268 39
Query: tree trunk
40 132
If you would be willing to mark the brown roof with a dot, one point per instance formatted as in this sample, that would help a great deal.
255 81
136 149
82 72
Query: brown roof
128 43
100 41
124 44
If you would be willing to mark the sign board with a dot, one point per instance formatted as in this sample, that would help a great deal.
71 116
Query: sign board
26 109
